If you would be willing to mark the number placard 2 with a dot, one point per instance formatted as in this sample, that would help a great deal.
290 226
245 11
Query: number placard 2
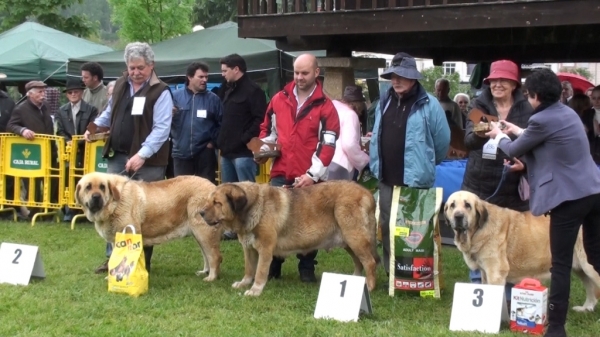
478 307
342 297
18 263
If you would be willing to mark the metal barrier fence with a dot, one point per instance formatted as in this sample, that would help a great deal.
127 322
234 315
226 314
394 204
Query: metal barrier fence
36 169
43 173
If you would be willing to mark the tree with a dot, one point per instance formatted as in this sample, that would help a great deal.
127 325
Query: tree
47 13
430 75
213 12
151 21
578 71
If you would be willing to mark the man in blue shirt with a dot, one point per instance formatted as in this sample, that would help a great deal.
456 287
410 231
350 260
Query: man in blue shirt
195 127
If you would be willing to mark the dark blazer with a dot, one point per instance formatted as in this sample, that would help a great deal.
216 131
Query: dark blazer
65 127
556 149
27 115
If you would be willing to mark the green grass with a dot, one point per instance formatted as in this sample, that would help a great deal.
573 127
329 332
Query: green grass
73 301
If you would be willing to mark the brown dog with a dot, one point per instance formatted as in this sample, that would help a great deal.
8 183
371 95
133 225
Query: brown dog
160 211
507 245
275 221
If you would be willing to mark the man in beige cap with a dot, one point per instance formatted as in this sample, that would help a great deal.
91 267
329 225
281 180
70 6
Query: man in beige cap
32 117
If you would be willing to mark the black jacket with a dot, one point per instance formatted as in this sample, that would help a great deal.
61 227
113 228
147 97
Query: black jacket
244 108
6 107
587 117
65 127
482 176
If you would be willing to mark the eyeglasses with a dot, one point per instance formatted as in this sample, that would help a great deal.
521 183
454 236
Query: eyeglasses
73 92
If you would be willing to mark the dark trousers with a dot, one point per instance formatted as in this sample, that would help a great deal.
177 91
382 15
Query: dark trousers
565 220
306 262
203 164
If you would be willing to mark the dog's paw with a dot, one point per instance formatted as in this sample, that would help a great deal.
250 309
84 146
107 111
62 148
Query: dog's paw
583 308
239 284
253 292
201 272
210 278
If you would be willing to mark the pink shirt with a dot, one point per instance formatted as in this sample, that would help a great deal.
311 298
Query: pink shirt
348 153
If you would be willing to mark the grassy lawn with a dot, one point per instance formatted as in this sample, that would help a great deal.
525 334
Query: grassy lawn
73 301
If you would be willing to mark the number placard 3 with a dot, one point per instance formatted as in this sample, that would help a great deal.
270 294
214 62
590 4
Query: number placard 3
18 263
342 297
478 307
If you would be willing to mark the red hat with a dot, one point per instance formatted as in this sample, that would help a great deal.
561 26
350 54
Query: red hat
503 69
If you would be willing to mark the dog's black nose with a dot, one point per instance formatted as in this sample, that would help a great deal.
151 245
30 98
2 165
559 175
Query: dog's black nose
96 196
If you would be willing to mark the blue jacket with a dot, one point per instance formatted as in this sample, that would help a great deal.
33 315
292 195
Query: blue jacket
427 139
196 122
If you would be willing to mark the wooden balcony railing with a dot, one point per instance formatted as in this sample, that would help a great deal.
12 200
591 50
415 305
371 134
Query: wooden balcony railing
279 7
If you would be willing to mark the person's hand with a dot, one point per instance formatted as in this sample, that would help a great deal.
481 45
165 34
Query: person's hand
86 136
369 134
510 128
304 180
495 130
261 161
69 142
209 146
28 134
174 110
517 166
134 163
481 133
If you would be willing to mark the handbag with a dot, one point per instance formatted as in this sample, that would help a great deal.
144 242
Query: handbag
127 272
523 188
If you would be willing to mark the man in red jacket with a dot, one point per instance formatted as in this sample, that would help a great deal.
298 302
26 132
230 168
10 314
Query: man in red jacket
305 123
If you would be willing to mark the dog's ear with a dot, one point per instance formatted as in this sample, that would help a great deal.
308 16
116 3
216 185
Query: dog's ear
237 198
446 206
77 190
481 214
114 191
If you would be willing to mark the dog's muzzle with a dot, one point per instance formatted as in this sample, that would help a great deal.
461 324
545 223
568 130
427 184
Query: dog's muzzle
458 222
95 203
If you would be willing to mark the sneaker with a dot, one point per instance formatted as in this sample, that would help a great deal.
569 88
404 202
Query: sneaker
229 236
307 276
103 268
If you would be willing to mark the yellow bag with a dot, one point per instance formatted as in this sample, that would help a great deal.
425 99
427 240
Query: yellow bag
127 266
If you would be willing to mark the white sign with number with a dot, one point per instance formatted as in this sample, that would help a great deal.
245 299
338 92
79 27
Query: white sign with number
18 263
342 297
478 307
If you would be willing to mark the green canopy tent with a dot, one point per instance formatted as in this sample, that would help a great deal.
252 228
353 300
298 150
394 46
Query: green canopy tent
31 51
265 62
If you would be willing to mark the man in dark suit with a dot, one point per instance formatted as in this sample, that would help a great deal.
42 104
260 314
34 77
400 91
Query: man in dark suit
72 119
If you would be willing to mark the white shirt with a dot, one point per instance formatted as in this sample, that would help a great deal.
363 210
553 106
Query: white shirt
307 98
74 110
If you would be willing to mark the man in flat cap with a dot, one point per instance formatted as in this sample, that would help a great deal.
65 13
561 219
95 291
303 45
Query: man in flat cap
32 117
410 137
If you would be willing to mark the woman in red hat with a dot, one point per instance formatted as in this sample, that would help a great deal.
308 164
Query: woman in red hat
485 174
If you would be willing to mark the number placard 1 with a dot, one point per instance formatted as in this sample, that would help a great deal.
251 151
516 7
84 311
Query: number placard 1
342 297
18 263
478 307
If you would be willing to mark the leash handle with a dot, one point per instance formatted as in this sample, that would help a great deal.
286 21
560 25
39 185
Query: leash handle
505 172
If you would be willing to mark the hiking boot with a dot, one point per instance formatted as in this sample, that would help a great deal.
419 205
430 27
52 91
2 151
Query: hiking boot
275 268
103 268
555 330
557 316
307 275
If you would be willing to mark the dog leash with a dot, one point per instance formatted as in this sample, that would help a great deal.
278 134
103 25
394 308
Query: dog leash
505 172
126 173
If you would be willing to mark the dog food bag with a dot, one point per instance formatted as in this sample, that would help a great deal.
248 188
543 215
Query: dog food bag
127 272
529 300
415 242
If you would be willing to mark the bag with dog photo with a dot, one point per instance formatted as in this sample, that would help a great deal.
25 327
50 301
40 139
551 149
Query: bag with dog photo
127 272
415 242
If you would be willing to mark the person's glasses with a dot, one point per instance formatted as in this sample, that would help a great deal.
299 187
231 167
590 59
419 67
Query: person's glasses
72 92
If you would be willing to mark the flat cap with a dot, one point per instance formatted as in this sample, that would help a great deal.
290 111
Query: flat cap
35 84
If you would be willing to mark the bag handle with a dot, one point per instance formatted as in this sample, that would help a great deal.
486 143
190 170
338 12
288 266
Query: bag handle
530 282
129 226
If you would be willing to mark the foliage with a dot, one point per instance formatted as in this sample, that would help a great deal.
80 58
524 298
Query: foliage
98 12
151 21
430 75
47 13
578 71
213 12
73 301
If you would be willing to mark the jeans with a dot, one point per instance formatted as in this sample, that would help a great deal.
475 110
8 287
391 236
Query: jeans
116 165
204 165
238 169
305 262
475 276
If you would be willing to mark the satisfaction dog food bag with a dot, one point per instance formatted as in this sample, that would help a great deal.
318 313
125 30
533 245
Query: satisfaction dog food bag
415 242
127 272
528 304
